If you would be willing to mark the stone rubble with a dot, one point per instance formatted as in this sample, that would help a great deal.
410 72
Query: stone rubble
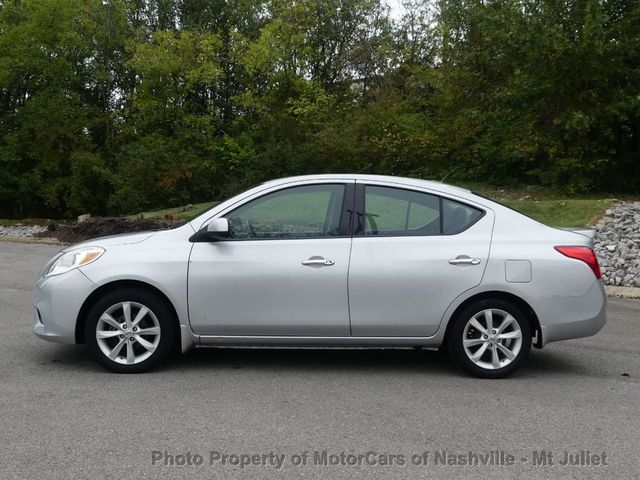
617 245
21 230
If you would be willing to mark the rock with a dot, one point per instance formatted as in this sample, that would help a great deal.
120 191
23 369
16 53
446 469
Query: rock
617 245
21 230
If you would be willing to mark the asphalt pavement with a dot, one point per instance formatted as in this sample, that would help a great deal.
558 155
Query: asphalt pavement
250 413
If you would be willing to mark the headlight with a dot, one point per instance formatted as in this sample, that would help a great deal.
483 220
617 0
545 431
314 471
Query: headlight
73 259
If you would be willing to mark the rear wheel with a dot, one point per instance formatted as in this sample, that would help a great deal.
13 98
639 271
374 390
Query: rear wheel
130 331
490 338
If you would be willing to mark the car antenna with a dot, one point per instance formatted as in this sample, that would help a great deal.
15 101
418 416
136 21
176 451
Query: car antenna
449 174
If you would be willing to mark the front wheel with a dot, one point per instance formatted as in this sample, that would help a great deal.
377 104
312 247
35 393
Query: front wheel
129 331
490 338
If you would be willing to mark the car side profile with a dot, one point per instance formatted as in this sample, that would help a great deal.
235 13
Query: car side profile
329 261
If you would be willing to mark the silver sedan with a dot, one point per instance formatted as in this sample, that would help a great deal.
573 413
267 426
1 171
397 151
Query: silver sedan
329 261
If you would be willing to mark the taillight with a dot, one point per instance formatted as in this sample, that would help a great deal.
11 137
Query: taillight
585 254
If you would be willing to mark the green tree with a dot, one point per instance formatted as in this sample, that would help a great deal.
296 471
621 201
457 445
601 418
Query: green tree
121 105
47 109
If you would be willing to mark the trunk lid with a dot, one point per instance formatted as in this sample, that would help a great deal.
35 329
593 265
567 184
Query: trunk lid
590 233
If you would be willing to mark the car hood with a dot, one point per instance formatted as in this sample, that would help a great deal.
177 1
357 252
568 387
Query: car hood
114 240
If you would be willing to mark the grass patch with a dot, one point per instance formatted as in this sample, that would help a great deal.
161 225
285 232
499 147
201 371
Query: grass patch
563 213
550 207
177 213
10 222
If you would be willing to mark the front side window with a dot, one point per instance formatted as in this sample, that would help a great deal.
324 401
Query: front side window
297 212
393 211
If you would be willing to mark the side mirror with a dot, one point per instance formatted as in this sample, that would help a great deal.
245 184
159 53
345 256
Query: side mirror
216 229
219 227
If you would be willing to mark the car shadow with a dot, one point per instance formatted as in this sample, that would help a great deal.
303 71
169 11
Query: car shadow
310 359
78 358
431 362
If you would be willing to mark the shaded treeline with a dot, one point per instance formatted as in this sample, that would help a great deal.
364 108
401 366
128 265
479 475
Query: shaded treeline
115 106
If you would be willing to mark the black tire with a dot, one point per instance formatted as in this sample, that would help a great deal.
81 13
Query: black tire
158 308
457 332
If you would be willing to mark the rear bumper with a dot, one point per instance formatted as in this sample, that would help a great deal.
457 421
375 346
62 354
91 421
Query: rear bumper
563 318
57 302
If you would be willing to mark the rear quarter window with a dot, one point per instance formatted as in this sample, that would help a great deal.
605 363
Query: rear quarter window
457 217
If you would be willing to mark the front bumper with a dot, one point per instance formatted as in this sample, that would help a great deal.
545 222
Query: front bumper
57 302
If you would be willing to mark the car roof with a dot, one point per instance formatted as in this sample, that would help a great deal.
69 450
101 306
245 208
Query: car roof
435 185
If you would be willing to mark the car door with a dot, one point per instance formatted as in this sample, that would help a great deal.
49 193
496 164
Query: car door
283 271
413 253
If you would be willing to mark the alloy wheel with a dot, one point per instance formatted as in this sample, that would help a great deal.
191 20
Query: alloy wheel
492 338
128 333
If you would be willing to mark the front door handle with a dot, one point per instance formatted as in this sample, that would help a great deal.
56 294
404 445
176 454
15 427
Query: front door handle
317 262
464 260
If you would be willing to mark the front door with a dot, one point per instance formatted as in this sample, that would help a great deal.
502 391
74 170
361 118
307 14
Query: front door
414 253
282 272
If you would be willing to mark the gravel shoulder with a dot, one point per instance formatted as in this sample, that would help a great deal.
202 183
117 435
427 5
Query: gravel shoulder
617 245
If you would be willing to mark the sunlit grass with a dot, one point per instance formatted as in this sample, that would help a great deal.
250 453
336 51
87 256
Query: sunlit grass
10 222
563 213
176 213
548 206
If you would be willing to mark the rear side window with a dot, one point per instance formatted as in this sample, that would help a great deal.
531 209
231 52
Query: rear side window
393 211
397 212
457 217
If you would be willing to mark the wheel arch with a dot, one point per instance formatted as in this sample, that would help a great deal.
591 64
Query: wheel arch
116 285
532 317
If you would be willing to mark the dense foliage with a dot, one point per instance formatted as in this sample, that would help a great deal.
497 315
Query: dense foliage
123 105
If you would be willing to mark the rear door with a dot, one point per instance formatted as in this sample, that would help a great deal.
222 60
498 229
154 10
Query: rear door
413 253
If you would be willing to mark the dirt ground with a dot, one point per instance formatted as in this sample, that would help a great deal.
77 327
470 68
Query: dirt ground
100 227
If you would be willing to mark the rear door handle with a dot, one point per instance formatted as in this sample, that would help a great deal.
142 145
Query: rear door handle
317 262
464 260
